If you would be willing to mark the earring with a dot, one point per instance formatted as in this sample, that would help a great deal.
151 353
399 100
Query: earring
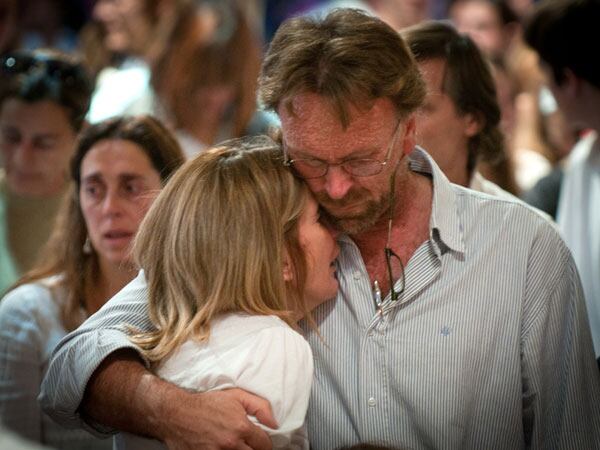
87 246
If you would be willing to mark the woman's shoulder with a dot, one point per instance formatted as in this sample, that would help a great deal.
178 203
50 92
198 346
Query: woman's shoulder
245 325
31 301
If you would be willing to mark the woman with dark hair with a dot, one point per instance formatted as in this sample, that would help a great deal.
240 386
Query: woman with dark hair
118 168
44 96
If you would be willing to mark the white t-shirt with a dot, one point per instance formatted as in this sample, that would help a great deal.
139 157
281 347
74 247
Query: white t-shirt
578 219
260 354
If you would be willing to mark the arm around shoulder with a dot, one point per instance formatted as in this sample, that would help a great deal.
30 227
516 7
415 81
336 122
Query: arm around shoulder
98 381
79 355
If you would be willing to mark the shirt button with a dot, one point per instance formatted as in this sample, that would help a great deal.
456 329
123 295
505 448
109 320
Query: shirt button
372 402
356 275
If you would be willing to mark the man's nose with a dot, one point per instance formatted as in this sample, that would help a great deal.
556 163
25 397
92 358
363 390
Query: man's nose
23 156
337 182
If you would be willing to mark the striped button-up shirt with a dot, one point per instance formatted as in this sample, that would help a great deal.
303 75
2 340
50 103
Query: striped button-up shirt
488 347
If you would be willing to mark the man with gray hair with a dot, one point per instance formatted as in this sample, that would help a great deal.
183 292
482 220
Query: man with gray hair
459 323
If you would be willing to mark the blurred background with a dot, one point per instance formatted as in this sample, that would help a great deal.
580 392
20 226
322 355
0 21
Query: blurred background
194 64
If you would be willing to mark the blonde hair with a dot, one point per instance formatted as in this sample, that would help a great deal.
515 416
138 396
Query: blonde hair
215 241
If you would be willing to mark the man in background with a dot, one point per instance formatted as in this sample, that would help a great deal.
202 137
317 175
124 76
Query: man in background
561 32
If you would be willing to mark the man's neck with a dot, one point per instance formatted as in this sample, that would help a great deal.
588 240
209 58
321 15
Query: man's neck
410 228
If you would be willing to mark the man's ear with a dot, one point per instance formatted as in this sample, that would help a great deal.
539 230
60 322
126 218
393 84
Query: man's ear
473 124
408 136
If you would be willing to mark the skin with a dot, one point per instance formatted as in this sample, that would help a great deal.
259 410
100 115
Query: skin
118 184
128 29
321 251
441 129
401 13
36 143
181 419
577 98
359 206
479 20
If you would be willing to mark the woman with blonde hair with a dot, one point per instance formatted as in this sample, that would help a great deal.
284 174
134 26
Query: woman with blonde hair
234 255
117 169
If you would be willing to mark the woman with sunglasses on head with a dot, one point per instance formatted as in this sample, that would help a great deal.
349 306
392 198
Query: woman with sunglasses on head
44 96
118 168
234 255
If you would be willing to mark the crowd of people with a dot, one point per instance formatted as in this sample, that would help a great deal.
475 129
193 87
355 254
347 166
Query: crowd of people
308 224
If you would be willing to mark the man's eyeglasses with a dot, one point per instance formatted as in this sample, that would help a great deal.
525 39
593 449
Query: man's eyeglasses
390 256
308 168
19 63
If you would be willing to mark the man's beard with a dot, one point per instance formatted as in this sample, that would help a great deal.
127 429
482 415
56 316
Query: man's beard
357 221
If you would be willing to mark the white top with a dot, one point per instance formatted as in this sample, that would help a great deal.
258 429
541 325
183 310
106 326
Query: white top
481 184
260 354
530 167
30 328
578 219
122 90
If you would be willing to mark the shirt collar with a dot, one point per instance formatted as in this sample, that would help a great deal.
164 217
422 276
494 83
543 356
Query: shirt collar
445 226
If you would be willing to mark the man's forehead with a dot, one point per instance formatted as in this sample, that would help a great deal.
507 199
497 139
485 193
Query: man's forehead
433 71
311 123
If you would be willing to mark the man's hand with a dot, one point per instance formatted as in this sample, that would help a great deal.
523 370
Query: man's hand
216 420
122 394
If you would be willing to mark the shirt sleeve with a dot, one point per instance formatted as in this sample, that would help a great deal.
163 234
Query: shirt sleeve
279 368
561 385
79 354
21 364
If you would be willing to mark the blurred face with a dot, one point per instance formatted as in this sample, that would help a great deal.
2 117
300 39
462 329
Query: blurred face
566 97
36 143
441 129
126 25
480 21
312 130
118 185
321 251
402 13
